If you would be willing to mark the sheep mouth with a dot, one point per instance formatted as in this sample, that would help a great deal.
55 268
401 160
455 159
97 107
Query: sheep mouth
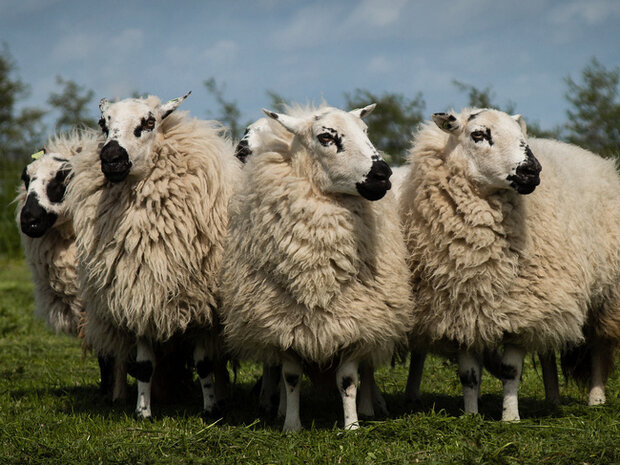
525 184
374 190
117 171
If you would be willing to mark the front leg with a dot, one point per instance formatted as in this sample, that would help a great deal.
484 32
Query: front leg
512 365
470 371
414 380
346 379
143 370
205 368
550 376
597 375
269 390
291 377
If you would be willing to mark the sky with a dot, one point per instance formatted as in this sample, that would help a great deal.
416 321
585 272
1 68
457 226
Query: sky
307 51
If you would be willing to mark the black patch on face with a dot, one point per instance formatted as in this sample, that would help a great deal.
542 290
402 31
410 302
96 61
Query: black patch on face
292 380
146 124
103 125
34 219
377 181
55 189
331 136
469 378
242 151
204 367
25 177
142 371
482 134
527 174
508 372
346 382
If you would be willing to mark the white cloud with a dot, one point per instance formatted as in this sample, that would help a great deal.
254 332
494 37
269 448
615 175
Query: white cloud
114 48
223 51
377 13
379 65
590 12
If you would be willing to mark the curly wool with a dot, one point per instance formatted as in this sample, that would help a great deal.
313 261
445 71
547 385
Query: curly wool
506 267
320 275
52 258
150 250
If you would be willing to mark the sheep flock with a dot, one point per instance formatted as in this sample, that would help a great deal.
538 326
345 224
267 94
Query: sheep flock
300 248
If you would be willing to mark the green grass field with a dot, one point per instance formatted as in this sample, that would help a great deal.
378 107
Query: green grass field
51 412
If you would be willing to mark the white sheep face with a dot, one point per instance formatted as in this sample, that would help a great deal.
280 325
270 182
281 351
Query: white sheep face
337 139
44 189
131 127
495 146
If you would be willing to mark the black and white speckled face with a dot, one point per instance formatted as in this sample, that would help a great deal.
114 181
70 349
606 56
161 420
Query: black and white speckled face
44 183
495 145
130 127
339 141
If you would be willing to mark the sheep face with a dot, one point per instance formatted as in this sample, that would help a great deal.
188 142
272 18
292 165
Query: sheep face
495 147
252 140
348 162
130 127
44 189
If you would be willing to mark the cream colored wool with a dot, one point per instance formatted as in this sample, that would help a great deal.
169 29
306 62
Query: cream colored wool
150 250
52 257
506 267
323 276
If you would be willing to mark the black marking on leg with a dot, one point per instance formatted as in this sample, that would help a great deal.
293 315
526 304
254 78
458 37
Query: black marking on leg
204 367
142 371
292 380
208 385
469 378
508 372
346 382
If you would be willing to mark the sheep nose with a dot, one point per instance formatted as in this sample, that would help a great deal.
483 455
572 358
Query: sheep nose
115 163
380 171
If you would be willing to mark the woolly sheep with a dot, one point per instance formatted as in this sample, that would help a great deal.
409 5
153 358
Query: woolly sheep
150 212
492 265
314 273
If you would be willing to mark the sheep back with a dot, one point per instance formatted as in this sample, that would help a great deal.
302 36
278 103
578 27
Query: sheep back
317 275
150 250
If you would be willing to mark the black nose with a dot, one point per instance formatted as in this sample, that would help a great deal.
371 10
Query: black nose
377 181
380 171
530 167
243 151
115 162
34 219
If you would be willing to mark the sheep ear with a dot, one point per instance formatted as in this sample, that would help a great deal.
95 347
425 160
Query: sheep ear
446 122
103 104
290 123
362 112
519 119
166 108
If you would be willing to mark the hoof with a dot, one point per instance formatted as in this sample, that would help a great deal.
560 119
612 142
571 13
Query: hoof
214 414
292 427
142 415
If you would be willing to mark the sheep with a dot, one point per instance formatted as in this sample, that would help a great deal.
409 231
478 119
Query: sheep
314 271
150 211
46 230
496 258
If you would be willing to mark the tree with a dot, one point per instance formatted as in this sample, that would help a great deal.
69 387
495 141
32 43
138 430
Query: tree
392 124
484 98
594 113
73 102
229 110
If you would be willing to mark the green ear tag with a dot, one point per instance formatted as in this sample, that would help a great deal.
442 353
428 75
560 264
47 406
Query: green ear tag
173 100
36 156
446 125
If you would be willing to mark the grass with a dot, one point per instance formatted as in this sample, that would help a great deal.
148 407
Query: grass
51 412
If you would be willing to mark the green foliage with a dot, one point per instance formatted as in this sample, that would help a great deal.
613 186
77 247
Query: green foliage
482 98
73 102
10 173
51 412
594 115
229 112
391 125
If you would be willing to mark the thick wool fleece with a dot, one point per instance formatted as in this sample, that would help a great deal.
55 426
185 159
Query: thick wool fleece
321 276
488 269
150 248
53 258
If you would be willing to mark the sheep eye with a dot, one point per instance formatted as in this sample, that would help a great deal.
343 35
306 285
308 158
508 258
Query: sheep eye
149 123
477 136
325 138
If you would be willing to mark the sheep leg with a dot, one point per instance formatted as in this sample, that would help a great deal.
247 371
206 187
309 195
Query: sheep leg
597 381
144 367
282 403
205 367
268 398
550 376
222 381
512 364
414 380
346 379
106 371
291 375
119 390
367 380
470 370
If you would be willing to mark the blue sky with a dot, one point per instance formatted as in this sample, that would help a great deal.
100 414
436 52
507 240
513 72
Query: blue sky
308 50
